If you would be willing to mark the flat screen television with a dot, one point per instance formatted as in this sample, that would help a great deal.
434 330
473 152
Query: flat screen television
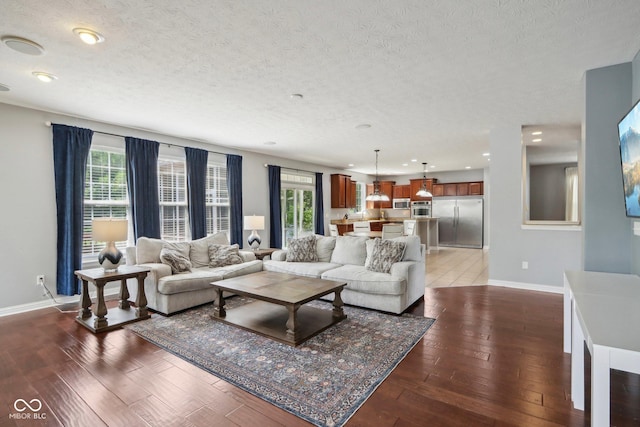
629 136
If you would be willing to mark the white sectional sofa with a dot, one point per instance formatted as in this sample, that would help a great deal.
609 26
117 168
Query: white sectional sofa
168 292
343 258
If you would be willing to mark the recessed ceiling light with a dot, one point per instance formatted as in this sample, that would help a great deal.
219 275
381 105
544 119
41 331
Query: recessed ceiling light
405 164
536 140
270 143
536 133
467 167
351 165
4 88
363 126
414 160
433 166
297 96
486 154
88 36
23 45
44 77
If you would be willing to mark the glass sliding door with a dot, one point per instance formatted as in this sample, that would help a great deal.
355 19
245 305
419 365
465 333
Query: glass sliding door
297 213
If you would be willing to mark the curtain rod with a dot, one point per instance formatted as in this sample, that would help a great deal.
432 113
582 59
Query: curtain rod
292 169
48 124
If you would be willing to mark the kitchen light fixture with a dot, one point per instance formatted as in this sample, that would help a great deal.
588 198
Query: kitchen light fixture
23 45
88 36
423 192
377 196
44 77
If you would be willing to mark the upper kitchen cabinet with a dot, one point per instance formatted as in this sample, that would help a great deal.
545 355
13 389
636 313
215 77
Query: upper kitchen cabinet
340 191
458 189
401 191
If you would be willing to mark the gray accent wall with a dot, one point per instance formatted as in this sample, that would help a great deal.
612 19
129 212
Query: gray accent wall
635 240
548 252
607 230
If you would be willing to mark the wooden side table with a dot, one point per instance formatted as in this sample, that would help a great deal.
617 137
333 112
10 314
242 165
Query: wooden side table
262 253
105 320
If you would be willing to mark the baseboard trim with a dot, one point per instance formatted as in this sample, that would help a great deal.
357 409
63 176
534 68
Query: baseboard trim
61 301
527 286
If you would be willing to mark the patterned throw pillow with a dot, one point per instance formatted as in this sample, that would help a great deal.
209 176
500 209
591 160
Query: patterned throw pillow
302 249
176 256
221 255
385 253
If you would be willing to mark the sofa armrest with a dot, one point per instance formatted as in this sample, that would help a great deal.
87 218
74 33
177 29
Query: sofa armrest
279 255
402 268
247 256
158 270
131 255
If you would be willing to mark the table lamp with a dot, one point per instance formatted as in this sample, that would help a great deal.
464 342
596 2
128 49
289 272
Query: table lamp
254 223
110 230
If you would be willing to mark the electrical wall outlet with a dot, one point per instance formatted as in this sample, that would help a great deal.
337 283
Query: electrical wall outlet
40 280
525 265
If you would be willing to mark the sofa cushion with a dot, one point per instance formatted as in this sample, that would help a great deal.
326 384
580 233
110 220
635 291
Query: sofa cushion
306 269
350 250
148 250
412 249
360 279
235 270
384 254
324 247
302 249
199 249
221 255
198 278
176 255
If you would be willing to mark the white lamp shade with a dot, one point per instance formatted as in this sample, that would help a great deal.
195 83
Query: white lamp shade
254 222
110 229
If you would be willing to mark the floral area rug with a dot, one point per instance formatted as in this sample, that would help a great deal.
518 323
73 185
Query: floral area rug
324 380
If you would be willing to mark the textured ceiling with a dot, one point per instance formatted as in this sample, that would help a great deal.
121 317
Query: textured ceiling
431 77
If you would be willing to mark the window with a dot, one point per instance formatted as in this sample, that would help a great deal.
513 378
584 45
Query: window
105 194
172 192
360 189
217 199
297 199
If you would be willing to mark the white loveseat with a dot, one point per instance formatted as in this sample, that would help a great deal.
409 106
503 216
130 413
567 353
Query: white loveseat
169 292
342 258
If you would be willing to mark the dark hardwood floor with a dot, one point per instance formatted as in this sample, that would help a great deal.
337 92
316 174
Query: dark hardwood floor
494 357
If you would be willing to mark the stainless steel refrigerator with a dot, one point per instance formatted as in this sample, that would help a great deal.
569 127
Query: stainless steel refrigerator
460 221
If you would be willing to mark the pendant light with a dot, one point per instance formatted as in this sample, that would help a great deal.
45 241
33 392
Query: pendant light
377 196
423 192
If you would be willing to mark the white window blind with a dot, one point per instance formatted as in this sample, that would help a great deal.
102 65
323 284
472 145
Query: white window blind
105 194
217 198
172 192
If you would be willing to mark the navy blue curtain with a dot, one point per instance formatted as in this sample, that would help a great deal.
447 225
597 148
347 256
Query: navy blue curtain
196 187
234 184
275 226
319 214
142 183
70 152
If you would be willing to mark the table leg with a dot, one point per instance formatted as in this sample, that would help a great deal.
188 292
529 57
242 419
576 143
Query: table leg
124 295
100 321
338 312
218 309
577 362
141 298
292 322
85 311
600 386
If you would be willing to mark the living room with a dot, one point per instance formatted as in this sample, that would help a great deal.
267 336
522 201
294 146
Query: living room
605 241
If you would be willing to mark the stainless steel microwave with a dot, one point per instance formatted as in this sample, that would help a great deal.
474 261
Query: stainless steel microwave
401 203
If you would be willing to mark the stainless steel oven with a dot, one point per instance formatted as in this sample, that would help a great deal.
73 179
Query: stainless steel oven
421 209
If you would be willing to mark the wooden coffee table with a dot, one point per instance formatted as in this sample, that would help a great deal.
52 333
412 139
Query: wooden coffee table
280 312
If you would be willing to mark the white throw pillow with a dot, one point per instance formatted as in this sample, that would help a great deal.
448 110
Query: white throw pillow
148 250
412 249
199 250
324 247
350 250
221 255
176 255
